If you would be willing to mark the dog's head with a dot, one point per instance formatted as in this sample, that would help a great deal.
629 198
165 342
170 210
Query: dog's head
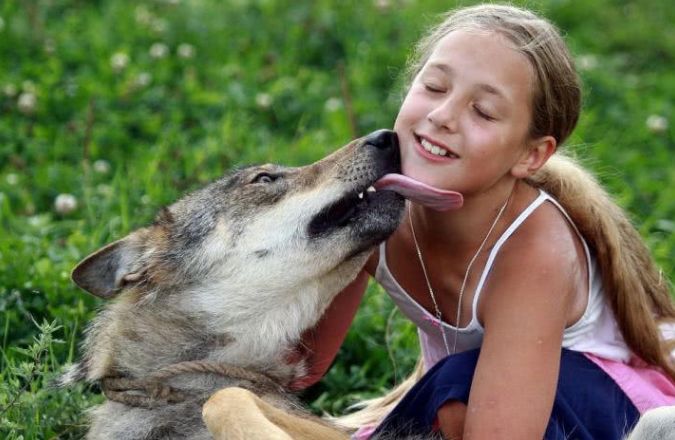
261 228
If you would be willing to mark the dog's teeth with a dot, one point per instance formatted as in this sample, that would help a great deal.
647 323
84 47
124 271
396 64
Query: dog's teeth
371 189
360 195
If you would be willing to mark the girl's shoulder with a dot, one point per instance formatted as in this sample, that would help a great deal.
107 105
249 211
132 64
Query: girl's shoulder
544 257
542 231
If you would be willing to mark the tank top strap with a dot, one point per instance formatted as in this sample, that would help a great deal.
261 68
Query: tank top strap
541 198
569 220
381 258
587 251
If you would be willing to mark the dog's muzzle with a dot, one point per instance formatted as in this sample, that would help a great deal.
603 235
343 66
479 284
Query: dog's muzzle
361 208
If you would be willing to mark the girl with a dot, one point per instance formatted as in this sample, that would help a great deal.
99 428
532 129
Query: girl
498 287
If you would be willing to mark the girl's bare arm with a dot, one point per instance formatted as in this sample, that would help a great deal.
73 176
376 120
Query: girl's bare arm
526 307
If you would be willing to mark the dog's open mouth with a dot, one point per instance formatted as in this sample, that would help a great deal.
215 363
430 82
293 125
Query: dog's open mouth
341 212
347 208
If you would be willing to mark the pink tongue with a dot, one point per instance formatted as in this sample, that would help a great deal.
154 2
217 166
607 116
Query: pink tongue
418 192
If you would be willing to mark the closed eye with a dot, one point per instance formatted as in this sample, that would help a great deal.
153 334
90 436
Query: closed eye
483 114
433 89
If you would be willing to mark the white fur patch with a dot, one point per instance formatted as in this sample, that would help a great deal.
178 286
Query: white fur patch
655 424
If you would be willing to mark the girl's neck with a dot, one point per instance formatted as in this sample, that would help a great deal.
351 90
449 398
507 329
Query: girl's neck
464 229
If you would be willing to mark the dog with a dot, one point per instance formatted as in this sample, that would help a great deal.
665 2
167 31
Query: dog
209 301
218 290
655 424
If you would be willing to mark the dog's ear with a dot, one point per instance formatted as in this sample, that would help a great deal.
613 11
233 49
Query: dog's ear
107 270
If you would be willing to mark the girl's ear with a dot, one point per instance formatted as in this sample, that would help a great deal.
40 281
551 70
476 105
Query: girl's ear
537 153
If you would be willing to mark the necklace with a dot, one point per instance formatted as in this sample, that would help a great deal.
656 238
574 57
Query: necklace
466 276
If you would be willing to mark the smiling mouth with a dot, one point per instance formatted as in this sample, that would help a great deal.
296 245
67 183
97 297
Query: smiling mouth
434 149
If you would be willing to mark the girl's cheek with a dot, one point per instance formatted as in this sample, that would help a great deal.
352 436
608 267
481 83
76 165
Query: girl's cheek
415 104
479 146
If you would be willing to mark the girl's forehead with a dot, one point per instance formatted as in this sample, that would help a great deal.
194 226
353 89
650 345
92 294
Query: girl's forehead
478 46
484 57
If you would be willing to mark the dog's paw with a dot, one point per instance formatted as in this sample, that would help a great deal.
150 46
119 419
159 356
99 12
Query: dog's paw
238 414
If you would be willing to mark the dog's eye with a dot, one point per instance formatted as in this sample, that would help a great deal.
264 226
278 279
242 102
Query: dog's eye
263 178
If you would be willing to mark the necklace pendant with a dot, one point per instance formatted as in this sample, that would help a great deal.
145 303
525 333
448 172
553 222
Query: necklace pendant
437 309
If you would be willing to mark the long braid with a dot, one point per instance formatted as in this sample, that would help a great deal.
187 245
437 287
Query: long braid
634 286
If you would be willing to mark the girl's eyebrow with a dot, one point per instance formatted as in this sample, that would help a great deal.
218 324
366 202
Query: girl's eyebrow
482 86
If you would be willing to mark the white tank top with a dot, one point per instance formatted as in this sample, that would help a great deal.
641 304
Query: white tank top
595 332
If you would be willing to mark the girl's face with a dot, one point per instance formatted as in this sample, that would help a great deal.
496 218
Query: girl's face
470 105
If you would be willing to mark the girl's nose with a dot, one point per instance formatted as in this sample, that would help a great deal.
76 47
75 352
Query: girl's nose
444 114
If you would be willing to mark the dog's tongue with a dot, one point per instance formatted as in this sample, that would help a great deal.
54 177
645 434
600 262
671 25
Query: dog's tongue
418 192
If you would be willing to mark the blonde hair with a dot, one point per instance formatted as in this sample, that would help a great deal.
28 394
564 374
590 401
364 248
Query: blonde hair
556 100
634 286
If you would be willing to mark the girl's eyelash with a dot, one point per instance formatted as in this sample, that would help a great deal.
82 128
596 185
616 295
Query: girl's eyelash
433 89
482 114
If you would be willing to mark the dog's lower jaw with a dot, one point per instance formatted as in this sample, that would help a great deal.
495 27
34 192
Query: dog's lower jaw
280 316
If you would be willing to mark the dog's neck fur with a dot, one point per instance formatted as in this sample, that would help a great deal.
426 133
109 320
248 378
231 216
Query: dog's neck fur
124 322
235 341
146 350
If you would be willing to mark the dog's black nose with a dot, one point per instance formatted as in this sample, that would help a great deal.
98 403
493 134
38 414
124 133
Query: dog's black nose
382 139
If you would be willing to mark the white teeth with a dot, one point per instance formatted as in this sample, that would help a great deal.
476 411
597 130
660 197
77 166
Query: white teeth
371 189
434 149
360 195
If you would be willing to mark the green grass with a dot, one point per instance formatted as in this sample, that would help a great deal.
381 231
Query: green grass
268 81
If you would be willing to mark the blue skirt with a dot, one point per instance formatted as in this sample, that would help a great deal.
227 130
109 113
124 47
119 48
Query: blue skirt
588 404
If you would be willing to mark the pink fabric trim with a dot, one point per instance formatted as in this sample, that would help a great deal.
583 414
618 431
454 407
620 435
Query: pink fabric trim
646 386
364 432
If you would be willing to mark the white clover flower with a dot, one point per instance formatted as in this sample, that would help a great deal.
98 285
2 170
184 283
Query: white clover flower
143 79
37 221
159 50
65 203
119 61
186 50
12 179
657 124
263 100
145 199
333 104
382 4
9 90
102 166
142 15
158 25
27 103
587 62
